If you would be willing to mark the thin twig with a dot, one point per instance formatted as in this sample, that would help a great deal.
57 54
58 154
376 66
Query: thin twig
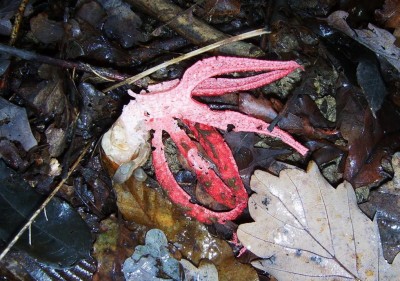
17 22
44 204
207 48
31 56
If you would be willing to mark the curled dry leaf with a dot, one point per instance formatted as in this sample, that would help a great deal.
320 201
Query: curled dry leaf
305 229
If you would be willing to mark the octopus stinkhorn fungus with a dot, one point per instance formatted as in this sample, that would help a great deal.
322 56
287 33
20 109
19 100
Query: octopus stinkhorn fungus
163 105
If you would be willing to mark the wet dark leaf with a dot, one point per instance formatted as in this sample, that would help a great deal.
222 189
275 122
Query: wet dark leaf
369 139
12 155
247 156
19 266
59 238
89 42
323 151
7 10
45 30
380 41
385 201
390 14
303 117
94 189
122 24
8 6
114 244
370 80
14 124
312 8
91 12
258 107
98 111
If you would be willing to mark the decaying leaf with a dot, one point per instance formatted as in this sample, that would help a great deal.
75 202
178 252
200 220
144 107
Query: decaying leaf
14 124
247 156
113 245
154 259
45 30
378 40
150 207
370 139
58 238
305 229
18 265
390 14
385 201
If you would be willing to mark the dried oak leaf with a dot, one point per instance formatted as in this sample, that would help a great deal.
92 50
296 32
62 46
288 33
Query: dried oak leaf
305 229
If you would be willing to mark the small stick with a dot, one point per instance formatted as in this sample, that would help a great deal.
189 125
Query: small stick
31 56
188 55
17 22
44 204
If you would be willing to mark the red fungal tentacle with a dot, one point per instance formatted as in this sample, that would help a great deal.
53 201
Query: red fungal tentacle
242 123
164 175
220 154
220 86
176 102
179 196
205 174
214 66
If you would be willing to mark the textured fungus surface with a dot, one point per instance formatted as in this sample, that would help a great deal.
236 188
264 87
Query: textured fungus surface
163 104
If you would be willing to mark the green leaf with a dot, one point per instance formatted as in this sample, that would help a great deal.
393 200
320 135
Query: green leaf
60 240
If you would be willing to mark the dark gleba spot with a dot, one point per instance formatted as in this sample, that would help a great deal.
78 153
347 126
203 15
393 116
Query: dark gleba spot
316 259
266 201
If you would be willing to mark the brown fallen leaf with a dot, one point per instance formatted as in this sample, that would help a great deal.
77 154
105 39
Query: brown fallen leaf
113 245
370 140
150 207
378 40
305 229
389 15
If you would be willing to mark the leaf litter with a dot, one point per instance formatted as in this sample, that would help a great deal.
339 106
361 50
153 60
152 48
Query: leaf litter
305 229
86 38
